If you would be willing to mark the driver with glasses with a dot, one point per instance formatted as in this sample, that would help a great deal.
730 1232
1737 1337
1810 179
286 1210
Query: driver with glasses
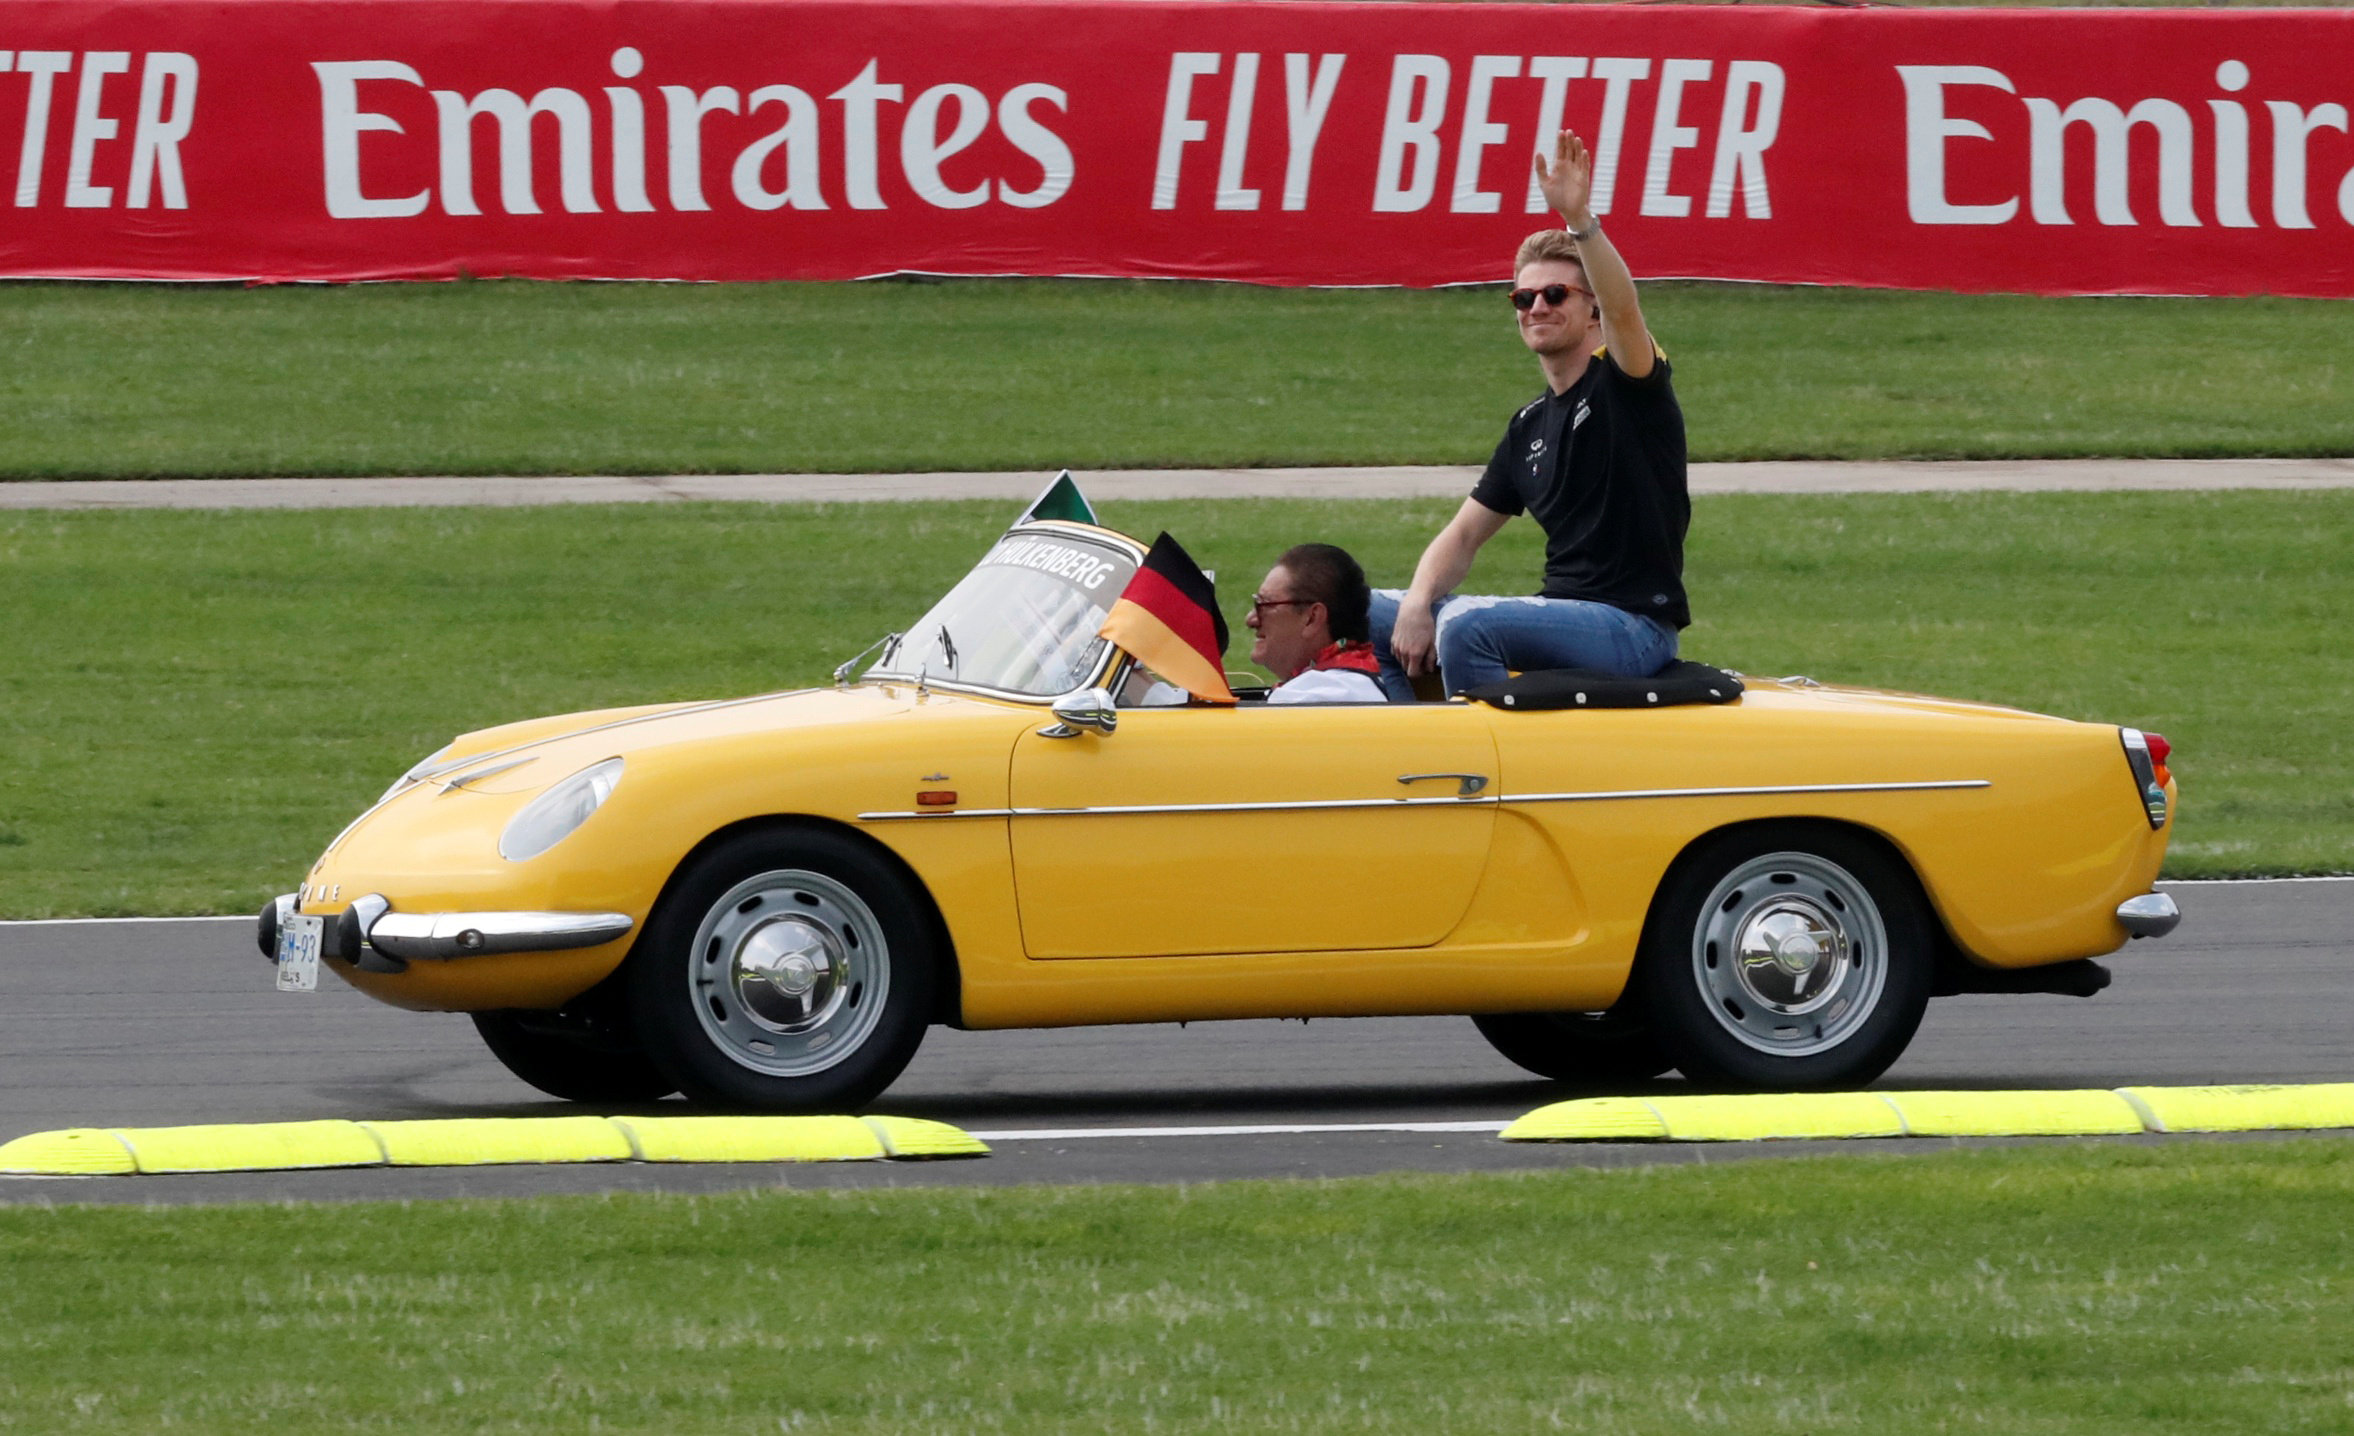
1310 628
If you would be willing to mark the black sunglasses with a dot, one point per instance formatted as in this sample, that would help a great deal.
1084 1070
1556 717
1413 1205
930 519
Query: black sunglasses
1260 605
1554 294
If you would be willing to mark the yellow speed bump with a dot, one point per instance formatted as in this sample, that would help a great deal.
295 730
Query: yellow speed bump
2091 1113
500 1141
752 1139
1710 1119
1796 1114
469 1142
2015 1114
913 1138
75 1152
251 1147
2243 1109
1591 1119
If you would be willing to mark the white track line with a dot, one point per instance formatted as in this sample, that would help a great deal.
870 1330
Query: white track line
1078 1134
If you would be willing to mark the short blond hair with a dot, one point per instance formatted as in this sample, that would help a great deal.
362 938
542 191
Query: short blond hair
1548 244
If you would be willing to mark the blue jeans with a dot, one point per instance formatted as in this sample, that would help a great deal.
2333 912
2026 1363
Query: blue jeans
1484 640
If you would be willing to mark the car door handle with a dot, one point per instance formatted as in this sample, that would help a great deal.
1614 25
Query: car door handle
1467 784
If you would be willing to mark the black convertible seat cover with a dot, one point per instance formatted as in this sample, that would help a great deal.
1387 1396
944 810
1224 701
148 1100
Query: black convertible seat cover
1679 682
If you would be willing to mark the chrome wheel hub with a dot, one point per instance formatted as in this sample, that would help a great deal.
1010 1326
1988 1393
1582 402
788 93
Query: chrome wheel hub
1791 954
790 973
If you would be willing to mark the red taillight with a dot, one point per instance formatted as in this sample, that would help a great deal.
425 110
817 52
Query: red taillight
2160 750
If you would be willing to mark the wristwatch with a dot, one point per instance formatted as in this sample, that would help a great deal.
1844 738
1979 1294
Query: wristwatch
1593 226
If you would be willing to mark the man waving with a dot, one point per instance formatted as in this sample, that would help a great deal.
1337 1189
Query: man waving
1597 460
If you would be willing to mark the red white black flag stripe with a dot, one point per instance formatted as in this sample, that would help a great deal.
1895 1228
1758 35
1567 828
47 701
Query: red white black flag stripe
1167 618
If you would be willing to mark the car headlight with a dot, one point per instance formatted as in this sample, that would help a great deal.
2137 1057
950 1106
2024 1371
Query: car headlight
551 817
424 768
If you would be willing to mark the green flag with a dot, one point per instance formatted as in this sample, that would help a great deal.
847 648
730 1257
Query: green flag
1061 500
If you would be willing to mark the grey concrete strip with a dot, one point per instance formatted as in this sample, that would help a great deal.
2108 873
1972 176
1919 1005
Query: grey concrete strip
1408 481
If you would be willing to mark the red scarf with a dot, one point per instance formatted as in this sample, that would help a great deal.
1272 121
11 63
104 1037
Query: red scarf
1347 659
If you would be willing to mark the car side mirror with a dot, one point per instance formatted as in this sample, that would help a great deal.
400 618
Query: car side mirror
1089 710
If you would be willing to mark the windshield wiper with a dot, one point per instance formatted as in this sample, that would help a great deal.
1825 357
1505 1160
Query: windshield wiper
889 643
947 648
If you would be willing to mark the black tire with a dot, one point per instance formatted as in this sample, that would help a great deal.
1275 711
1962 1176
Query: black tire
1587 1048
787 970
570 1057
1839 960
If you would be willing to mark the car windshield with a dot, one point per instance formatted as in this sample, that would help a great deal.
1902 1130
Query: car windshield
1023 621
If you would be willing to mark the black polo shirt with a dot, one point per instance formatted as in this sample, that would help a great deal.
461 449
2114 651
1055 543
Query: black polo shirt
1600 467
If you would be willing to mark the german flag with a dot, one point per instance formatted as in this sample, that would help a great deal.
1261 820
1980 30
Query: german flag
1167 618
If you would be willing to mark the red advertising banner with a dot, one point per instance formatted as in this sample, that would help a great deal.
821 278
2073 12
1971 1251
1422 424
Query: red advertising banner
2081 151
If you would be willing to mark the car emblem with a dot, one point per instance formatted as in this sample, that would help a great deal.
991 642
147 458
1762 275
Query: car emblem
933 778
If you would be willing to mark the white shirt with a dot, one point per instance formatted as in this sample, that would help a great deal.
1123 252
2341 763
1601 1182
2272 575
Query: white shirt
1329 685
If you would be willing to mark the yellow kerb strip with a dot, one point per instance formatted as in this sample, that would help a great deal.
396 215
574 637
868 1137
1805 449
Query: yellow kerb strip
910 1138
1591 1119
500 1141
752 1139
2015 1114
76 1152
1785 1117
2243 1109
472 1142
1750 1119
264 1146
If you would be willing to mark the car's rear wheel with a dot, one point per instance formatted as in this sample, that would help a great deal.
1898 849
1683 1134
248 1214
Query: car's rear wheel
570 1056
1787 956
788 971
1585 1047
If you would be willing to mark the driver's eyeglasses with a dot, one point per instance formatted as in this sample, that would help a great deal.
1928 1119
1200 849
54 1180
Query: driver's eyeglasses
1553 294
1261 605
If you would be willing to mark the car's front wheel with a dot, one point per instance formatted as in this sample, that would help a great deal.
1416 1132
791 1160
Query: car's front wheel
1787 956
788 971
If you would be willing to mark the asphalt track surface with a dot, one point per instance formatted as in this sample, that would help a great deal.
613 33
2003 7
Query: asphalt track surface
169 1022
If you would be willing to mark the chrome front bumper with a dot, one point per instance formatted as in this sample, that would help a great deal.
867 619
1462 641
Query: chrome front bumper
371 935
2150 915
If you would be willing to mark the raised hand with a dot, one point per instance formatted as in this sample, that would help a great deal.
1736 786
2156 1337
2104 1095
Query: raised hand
1568 180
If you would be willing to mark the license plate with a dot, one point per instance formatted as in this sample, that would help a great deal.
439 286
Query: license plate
298 953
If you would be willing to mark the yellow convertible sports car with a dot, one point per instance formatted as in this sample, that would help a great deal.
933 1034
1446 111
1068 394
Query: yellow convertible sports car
764 902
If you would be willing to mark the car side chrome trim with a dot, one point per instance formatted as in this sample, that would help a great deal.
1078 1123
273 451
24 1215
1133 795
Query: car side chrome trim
1483 801
1768 791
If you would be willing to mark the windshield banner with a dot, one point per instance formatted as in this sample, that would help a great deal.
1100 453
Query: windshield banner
2075 151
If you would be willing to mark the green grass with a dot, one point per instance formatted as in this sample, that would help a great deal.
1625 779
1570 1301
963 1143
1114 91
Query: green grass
192 703
101 380
2193 1289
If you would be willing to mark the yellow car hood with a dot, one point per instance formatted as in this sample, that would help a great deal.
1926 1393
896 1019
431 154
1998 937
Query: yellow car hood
518 757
